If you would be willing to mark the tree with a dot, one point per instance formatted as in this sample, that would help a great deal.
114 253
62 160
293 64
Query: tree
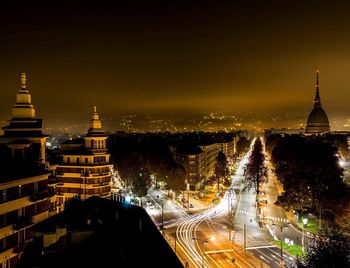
255 172
311 176
330 249
136 177
175 180
221 170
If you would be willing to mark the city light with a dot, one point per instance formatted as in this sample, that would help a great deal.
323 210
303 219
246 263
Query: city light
305 221
128 198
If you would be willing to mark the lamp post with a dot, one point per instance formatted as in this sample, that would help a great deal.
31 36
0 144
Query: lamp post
229 213
162 218
202 246
304 222
281 251
162 206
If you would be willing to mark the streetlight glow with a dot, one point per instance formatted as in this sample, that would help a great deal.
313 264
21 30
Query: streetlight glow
305 221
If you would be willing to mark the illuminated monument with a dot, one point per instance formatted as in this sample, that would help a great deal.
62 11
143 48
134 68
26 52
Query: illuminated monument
317 121
85 169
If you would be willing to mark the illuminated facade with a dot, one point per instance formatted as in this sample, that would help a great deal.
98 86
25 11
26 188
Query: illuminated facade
25 198
210 153
228 148
199 163
85 169
317 122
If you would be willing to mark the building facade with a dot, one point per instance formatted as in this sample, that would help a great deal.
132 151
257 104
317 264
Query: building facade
228 148
210 153
199 163
85 169
25 198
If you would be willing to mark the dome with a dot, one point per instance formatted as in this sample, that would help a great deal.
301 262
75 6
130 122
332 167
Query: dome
317 121
318 116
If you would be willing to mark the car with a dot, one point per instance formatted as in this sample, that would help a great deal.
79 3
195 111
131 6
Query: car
151 206
191 205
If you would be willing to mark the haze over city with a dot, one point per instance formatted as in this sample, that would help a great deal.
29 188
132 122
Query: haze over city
175 133
252 60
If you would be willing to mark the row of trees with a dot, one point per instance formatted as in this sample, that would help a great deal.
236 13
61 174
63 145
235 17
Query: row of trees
136 158
255 172
311 176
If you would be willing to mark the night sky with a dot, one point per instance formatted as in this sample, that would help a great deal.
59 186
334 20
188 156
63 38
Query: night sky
171 56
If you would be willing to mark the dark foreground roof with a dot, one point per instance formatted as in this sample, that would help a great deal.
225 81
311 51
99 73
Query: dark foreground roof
119 235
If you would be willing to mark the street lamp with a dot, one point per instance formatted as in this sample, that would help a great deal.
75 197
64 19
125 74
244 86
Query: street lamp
168 201
202 246
282 227
304 223
229 207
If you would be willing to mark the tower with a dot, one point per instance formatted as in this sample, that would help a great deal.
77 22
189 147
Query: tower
24 132
85 169
317 121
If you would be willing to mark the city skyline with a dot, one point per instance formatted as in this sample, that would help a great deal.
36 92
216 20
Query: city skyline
180 58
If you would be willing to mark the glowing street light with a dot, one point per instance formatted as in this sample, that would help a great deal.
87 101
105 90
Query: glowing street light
202 243
305 221
128 199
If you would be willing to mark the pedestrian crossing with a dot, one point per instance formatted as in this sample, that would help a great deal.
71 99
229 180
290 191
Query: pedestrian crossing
252 214
277 219
246 213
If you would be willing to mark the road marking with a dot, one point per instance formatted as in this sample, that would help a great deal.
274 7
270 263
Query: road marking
268 246
262 257
219 251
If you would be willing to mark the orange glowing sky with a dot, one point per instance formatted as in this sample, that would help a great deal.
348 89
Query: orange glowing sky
160 56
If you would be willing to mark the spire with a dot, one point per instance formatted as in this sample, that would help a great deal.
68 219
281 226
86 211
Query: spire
317 101
23 107
95 122
23 81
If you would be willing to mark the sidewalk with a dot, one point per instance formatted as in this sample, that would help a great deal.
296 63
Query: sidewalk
290 215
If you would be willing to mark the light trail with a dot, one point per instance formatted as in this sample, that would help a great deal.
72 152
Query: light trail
188 228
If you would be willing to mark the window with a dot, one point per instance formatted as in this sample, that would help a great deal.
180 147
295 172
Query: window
68 159
4 195
78 160
35 187
86 160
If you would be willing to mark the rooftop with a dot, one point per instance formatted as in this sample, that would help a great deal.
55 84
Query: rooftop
111 233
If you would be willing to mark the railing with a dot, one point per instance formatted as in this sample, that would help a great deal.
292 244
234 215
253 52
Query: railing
19 248
39 196
101 184
100 174
23 222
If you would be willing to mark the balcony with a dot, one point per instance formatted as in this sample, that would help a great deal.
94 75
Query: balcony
39 196
19 248
101 184
100 174
23 222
